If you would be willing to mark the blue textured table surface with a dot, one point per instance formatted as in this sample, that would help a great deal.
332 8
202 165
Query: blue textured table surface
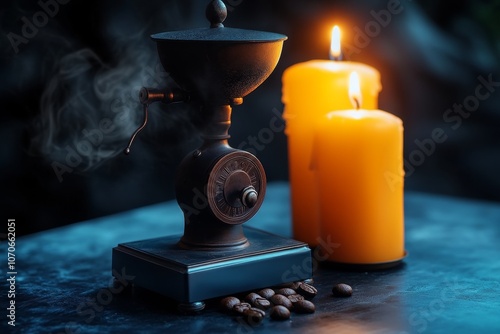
448 284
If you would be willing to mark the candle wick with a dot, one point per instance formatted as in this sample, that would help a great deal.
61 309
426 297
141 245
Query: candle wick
336 58
356 103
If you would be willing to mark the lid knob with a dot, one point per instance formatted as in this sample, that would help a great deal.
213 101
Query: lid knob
216 13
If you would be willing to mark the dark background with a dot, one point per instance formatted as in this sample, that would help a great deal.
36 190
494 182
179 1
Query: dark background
73 84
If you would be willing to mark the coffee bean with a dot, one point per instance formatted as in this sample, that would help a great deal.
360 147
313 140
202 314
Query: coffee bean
251 297
241 307
304 306
309 281
291 285
280 312
261 303
295 298
266 293
254 316
286 291
228 303
278 299
256 310
342 290
306 290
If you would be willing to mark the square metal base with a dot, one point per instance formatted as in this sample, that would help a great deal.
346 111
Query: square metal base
190 276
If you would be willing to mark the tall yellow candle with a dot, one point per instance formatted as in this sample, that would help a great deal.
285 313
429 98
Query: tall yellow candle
310 90
359 163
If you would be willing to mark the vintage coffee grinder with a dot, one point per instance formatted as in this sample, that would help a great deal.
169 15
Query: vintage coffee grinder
217 187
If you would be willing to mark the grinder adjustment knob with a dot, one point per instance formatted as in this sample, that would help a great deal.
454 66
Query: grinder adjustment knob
249 196
236 187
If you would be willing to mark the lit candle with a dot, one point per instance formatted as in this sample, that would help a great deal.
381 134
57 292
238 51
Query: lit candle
310 90
359 167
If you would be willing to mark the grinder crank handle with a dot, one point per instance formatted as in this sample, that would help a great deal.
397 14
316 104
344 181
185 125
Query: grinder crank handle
150 95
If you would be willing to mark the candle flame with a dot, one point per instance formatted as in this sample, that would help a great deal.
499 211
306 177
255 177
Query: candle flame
355 90
335 44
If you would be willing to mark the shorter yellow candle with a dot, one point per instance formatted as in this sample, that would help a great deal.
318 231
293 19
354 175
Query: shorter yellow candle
358 155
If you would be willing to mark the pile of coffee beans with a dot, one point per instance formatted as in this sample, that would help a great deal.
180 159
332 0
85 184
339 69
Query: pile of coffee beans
280 301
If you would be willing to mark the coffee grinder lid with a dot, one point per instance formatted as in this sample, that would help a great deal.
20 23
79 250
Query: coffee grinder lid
216 13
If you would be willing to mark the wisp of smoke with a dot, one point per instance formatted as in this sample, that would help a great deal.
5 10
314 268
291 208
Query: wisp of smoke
89 109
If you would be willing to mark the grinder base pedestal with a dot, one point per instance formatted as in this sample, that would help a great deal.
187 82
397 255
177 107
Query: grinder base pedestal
192 276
